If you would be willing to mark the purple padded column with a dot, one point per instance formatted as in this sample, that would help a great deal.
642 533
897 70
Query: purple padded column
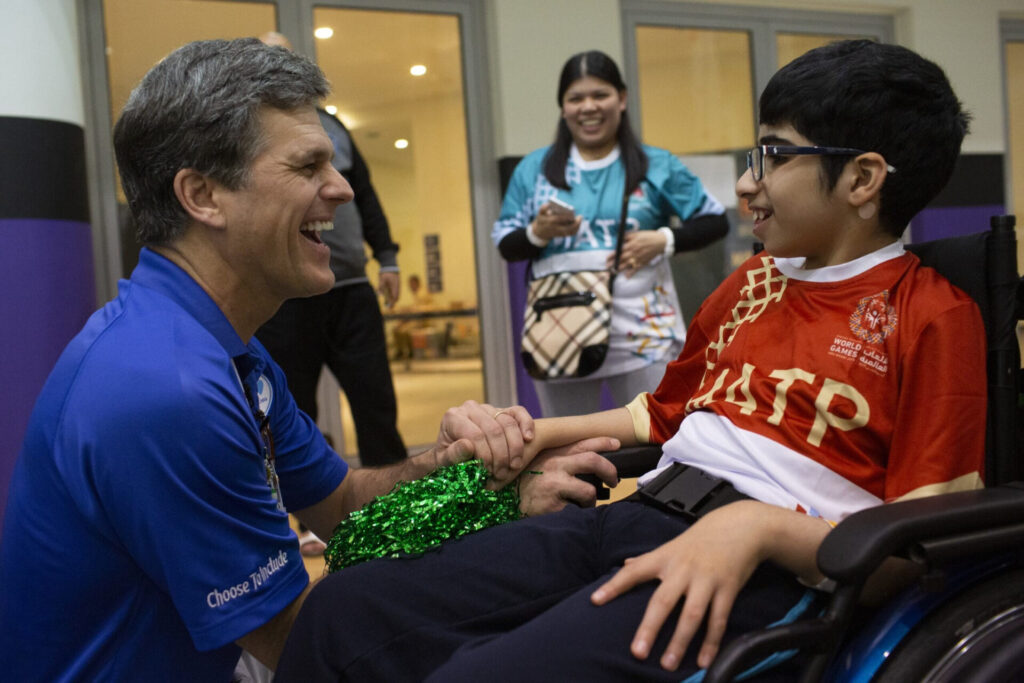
47 289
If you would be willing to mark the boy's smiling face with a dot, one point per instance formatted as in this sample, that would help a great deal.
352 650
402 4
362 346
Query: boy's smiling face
794 215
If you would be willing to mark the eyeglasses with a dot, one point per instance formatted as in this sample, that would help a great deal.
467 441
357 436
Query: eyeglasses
756 156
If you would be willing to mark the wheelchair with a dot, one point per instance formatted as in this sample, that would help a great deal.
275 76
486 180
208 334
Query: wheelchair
963 619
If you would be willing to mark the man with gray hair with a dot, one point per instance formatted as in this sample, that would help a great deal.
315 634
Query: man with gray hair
165 449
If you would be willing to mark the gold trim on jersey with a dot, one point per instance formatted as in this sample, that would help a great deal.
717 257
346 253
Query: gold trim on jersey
965 482
641 418
764 285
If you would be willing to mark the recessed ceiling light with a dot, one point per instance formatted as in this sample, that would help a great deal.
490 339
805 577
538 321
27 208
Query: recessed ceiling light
324 32
401 143
331 109
418 70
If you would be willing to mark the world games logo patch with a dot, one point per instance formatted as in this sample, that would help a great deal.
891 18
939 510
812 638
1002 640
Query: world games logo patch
874 319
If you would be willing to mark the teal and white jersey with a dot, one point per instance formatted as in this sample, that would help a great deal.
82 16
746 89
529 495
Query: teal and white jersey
647 324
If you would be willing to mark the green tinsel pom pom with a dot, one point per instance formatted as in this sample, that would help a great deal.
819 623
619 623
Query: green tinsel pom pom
417 516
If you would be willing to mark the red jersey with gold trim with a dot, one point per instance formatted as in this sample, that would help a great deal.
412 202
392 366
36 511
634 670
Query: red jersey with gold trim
828 390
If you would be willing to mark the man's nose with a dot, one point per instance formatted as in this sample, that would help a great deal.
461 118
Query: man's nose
337 188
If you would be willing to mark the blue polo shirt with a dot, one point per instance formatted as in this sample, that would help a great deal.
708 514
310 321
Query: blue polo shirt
142 535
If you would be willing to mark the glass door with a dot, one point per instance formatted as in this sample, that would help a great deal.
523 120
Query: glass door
696 95
397 83
413 131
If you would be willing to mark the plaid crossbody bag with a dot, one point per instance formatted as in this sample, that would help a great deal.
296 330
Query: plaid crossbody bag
567 323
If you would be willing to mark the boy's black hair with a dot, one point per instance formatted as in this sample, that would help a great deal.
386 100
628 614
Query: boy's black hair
599 65
878 98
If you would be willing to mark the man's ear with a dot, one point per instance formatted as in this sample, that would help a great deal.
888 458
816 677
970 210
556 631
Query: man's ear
869 171
199 196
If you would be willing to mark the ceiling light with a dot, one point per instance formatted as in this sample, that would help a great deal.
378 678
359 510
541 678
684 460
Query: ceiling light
418 70
324 32
331 109
401 143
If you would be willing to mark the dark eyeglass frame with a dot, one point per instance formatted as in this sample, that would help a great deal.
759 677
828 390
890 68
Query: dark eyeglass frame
756 155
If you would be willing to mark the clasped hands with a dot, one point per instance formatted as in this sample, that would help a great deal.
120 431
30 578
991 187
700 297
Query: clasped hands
505 441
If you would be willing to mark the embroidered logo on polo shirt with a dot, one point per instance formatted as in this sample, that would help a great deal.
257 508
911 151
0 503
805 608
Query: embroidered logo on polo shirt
264 394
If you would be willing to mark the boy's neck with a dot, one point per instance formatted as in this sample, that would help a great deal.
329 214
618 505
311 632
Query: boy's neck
857 237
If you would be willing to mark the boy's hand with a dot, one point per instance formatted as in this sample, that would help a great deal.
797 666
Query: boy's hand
496 437
706 566
550 483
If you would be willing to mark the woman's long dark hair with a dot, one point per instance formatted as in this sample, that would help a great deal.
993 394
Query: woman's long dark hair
599 65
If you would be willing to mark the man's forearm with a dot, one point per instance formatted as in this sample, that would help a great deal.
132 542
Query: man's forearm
366 483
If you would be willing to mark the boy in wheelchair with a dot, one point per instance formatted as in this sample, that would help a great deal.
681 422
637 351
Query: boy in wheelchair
826 375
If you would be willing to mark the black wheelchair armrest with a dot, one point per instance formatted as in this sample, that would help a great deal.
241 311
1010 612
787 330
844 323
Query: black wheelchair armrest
630 462
634 461
930 530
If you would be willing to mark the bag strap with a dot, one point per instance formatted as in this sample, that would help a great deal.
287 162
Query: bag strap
618 242
622 230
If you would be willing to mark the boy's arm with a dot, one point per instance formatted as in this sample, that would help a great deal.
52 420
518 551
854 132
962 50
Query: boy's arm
552 432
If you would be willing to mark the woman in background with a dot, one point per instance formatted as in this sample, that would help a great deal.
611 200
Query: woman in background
595 159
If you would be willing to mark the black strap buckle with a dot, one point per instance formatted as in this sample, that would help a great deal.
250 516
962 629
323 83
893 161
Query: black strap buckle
688 491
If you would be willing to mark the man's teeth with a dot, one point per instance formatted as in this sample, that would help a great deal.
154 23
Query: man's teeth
761 214
318 226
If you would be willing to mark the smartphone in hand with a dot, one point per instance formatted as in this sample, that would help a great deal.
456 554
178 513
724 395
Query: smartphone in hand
562 207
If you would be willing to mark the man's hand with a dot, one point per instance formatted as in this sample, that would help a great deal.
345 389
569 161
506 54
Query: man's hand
706 566
550 483
496 437
390 285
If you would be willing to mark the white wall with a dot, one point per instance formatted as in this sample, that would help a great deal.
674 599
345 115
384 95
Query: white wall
41 77
536 37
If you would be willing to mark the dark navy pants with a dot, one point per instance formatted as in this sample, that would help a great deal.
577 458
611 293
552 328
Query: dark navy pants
511 603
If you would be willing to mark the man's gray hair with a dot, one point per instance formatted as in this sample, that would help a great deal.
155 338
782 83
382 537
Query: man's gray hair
199 108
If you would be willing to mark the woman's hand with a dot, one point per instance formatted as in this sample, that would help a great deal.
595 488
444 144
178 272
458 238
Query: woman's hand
555 221
706 566
639 247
